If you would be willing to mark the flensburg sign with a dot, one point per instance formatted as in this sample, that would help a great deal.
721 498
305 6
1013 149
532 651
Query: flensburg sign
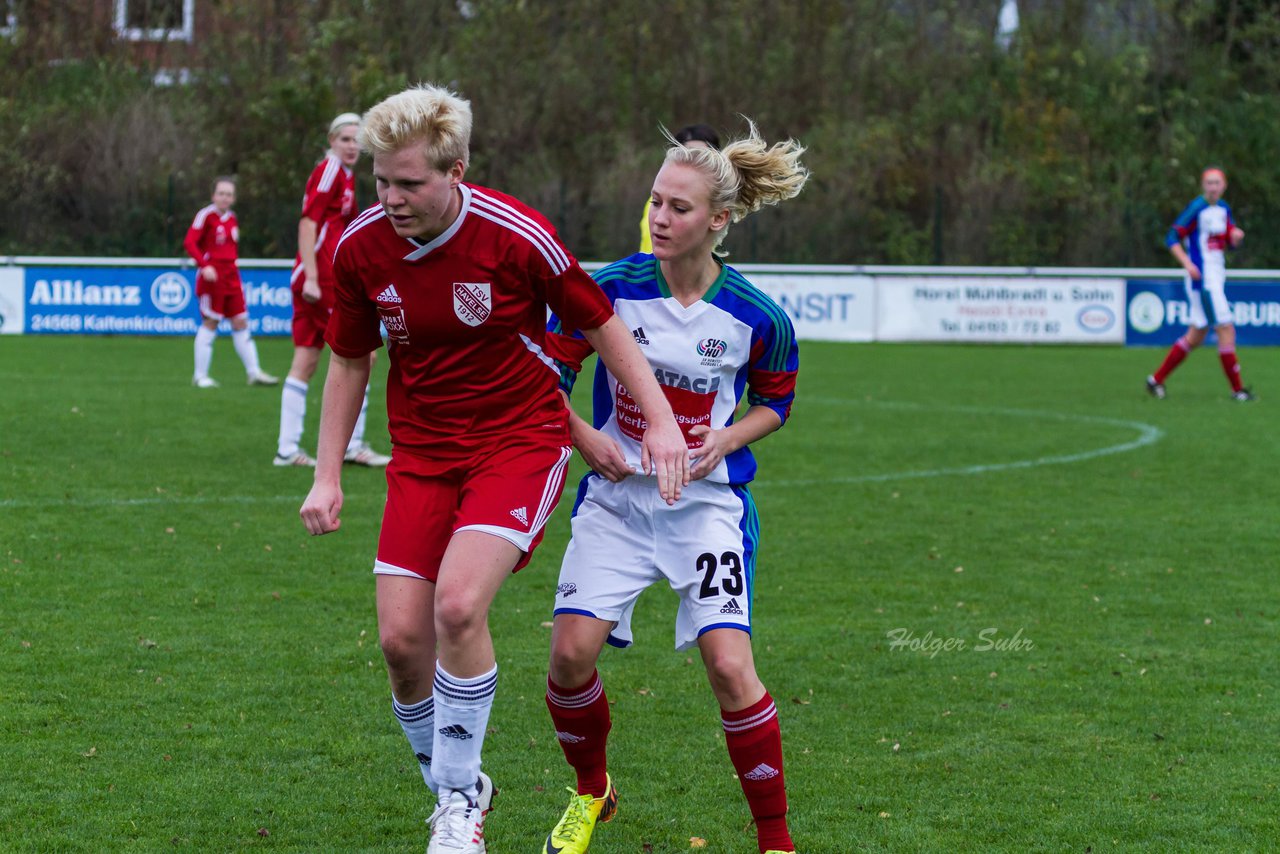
1157 311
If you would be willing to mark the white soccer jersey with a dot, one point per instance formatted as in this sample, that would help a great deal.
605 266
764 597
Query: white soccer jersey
733 344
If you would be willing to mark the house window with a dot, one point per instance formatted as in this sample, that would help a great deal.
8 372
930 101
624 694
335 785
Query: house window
155 20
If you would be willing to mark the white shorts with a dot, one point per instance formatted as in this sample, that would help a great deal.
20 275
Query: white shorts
1208 297
626 538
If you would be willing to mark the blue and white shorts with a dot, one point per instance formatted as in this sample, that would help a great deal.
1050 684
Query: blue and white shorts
626 538
1207 298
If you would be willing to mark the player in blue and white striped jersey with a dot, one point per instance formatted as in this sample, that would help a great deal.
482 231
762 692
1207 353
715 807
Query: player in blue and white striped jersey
714 342
1199 240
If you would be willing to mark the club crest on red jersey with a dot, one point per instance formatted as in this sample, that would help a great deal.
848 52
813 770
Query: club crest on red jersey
472 302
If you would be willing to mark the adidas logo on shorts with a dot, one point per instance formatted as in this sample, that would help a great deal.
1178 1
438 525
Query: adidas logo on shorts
455 731
423 759
731 607
569 738
521 515
389 295
761 772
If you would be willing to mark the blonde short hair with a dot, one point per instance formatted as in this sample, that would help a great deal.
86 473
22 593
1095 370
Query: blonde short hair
427 114
746 174
341 121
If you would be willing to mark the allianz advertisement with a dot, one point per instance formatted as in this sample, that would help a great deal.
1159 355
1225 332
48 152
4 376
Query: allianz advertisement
1158 311
141 301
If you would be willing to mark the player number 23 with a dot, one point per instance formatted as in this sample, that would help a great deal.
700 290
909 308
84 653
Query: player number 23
732 582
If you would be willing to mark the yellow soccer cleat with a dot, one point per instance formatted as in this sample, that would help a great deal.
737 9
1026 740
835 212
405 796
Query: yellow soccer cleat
572 834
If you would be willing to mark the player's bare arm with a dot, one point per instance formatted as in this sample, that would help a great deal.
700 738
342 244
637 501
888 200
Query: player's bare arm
758 422
1237 236
307 231
343 394
663 451
1180 255
601 452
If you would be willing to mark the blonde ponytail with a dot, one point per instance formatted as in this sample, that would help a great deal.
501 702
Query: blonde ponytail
746 174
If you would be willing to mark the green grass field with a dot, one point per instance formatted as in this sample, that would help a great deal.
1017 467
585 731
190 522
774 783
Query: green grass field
183 668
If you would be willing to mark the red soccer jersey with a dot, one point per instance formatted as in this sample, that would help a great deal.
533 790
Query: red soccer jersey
329 202
213 238
466 318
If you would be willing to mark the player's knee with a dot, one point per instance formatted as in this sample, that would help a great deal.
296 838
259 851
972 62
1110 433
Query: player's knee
732 674
572 663
403 651
458 613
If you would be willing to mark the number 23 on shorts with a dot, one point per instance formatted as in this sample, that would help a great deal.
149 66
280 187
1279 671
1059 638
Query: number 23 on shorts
731 580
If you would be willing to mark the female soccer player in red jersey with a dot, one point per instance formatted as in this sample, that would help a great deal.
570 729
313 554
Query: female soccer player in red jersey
715 341
461 277
213 243
328 206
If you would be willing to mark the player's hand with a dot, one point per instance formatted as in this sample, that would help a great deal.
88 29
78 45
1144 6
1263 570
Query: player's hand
320 511
602 453
209 274
715 447
1194 272
664 454
1237 235
311 290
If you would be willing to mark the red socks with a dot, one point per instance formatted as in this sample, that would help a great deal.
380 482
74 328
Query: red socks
582 722
1177 353
1231 367
755 748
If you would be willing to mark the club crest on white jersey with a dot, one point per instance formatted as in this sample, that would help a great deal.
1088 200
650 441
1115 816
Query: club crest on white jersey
472 302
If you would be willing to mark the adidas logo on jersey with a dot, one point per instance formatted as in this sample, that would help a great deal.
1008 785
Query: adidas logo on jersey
455 731
570 738
761 772
389 295
638 334
731 607
521 515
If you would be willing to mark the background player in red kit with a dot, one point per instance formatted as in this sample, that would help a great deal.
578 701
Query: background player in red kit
461 277
213 243
717 342
328 206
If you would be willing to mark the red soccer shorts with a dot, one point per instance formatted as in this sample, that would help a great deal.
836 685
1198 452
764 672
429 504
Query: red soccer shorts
222 298
508 492
310 319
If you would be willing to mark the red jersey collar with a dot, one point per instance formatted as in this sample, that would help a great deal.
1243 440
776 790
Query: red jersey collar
421 250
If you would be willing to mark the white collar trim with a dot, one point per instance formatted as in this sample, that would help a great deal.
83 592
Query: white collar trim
421 250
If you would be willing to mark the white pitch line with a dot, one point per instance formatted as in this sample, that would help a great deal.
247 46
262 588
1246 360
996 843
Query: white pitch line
1148 434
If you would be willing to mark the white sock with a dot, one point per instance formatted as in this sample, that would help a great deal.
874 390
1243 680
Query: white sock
293 409
357 435
462 716
204 349
246 349
418 722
